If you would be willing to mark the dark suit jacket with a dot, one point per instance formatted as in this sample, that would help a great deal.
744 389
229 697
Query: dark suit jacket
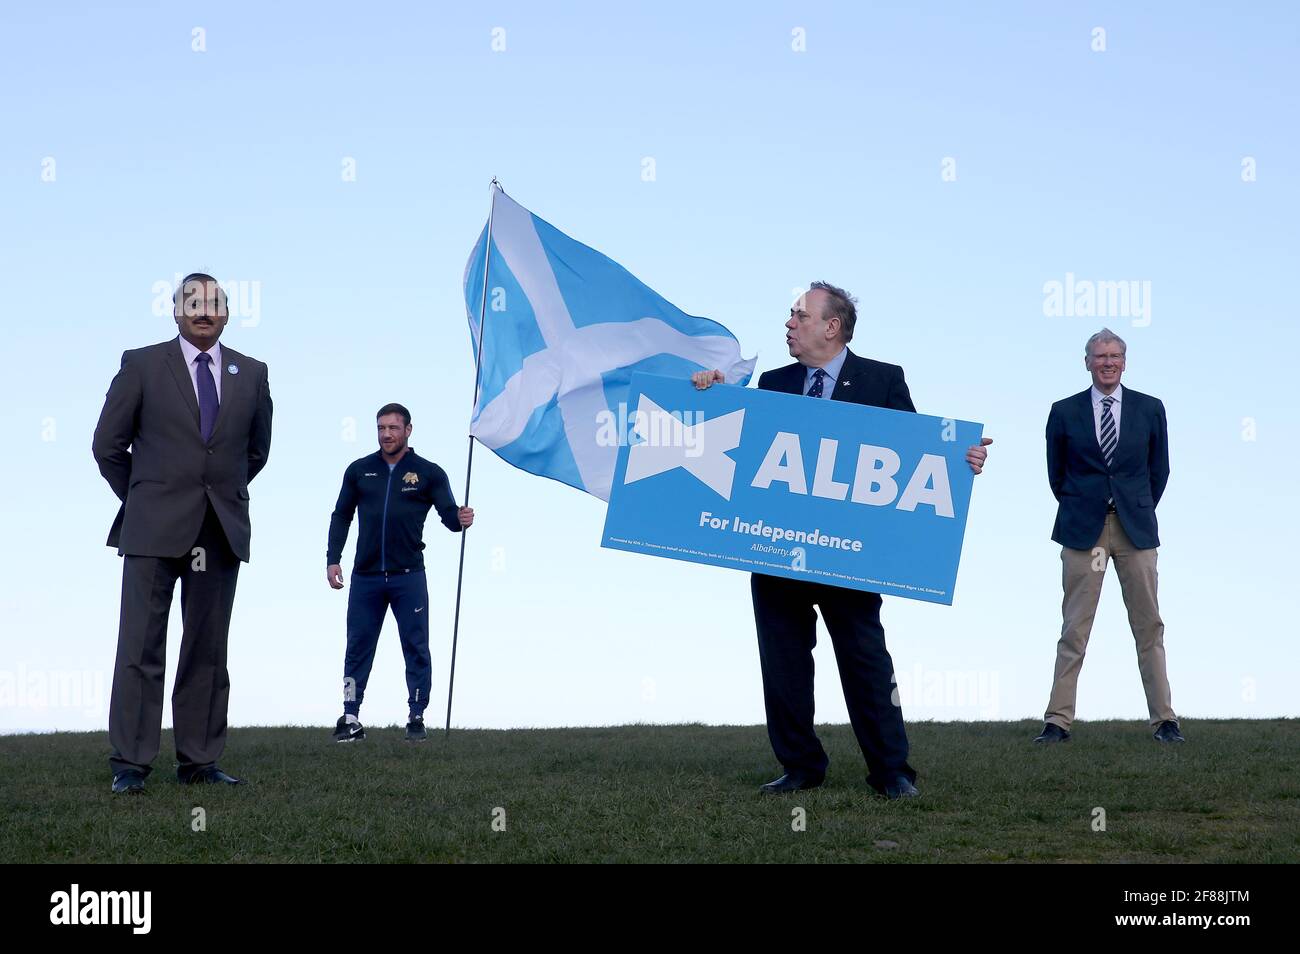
150 450
1083 483
861 381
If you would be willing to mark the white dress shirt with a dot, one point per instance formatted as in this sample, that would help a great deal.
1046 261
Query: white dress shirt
190 353
1114 410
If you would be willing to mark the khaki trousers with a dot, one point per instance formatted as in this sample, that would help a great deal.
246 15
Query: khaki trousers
1082 573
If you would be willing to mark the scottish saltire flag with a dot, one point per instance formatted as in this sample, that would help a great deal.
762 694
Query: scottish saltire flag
565 328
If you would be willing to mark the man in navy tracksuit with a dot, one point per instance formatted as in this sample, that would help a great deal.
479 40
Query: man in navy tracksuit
393 490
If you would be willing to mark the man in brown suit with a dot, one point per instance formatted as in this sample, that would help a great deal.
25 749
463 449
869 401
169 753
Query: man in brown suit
186 425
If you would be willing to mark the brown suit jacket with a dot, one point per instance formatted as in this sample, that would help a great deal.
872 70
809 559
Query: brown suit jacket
150 450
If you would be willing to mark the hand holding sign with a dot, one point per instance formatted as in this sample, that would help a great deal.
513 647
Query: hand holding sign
706 379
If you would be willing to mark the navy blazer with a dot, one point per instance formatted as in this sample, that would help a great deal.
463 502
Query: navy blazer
861 381
1082 483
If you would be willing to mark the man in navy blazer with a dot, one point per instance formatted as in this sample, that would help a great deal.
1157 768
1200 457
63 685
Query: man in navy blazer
818 331
1108 463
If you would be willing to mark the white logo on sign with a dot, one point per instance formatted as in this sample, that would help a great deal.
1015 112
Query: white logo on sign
700 449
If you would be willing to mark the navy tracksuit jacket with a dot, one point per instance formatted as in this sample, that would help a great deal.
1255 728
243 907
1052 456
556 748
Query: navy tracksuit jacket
393 503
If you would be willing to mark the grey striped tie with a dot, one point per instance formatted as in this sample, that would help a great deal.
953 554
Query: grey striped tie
1108 436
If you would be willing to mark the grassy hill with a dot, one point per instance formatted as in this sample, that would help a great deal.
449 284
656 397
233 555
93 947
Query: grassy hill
668 793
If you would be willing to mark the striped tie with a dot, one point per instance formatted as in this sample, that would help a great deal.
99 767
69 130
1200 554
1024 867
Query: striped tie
1108 436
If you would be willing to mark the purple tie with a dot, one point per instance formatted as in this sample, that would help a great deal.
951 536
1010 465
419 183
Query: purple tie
208 402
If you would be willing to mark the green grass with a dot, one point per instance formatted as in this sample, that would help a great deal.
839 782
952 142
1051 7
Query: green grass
668 793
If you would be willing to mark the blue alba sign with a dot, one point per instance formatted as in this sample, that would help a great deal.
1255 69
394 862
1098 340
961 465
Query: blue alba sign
826 491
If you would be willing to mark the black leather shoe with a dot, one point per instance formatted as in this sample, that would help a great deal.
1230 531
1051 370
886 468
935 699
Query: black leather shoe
211 776
901 787
1052 733
128 782
790 782
1169 732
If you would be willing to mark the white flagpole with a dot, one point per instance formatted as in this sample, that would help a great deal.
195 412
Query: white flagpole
469 467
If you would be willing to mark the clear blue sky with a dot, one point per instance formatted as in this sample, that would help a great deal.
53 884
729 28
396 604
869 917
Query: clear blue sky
772 167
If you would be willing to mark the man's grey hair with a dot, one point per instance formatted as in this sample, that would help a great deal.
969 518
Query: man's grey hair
1102 336
839 304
